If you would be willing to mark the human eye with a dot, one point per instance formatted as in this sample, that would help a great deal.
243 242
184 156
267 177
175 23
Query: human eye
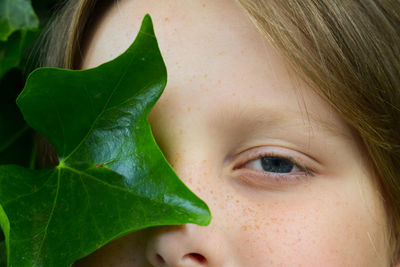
273 166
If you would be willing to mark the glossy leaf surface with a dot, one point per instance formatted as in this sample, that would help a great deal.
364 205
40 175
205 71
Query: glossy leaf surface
112 178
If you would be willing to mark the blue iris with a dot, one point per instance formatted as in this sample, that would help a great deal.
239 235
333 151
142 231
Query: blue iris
276 165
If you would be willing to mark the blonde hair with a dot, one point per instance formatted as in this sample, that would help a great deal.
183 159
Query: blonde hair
348 51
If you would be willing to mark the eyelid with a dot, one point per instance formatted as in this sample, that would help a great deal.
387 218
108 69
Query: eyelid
293 156
281 157
265 179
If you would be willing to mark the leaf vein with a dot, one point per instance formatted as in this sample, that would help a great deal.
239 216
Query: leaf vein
113 186
51 216
90 205
30 193
97 118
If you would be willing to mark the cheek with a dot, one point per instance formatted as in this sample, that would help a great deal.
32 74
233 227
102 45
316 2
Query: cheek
314 229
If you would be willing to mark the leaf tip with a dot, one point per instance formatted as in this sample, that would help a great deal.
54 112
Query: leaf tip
147 25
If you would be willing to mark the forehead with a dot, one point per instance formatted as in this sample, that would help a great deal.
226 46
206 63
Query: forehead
219 65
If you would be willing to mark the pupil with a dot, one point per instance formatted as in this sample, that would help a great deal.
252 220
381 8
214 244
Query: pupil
277 165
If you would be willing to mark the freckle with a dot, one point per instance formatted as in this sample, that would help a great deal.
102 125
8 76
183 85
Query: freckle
166 19
241 51
277 230
257 227
234 94
204 5
219 81
204 161
189 109
237 201
190 180
211 191
244 228
205 75
221 53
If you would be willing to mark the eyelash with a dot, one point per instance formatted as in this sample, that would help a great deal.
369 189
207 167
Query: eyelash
261 177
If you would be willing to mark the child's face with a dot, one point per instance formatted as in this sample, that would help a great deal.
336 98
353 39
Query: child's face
230 116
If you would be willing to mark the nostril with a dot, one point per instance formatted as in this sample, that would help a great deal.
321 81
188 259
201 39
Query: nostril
159 258
196 257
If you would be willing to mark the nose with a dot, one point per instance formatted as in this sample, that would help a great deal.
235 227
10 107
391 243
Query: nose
186 245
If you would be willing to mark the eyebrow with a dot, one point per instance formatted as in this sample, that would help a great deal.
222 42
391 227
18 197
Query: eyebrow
255 118
332 128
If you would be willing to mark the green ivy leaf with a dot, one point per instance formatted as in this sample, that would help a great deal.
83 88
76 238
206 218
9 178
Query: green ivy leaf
16 15
11 51
112 178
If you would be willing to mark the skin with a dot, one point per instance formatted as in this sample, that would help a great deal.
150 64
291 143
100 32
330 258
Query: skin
230 100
